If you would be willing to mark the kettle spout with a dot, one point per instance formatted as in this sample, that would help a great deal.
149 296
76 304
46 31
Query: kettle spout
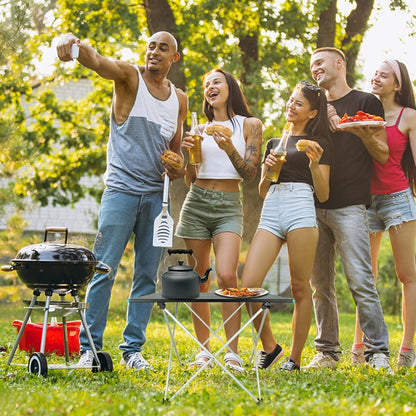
205 277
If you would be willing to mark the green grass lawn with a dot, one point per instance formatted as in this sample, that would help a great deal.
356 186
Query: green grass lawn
346 391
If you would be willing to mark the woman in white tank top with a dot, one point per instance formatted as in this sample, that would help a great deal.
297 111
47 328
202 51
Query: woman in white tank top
212 214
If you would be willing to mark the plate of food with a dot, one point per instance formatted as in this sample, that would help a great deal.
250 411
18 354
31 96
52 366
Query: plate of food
368 123
244 292
361 119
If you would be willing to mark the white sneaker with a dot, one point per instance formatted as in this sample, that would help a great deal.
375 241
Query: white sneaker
86 360
135 361
380 361
322 360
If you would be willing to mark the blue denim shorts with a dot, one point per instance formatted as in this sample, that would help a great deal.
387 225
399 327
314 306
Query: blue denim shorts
389 210
288 206
206 213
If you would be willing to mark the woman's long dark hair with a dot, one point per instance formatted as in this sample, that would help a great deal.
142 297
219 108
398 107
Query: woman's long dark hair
236 102
317 126
406 98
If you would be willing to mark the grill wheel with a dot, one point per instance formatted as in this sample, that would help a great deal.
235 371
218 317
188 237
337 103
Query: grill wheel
38 364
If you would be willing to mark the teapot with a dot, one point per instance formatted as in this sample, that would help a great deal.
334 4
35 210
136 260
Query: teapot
181 281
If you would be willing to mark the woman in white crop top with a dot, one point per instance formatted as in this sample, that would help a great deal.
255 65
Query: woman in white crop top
212 213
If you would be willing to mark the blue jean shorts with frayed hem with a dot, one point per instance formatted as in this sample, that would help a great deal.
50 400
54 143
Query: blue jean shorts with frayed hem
391 210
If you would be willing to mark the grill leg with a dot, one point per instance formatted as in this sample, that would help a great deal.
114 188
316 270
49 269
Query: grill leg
87 332
65 333
48 294
22 328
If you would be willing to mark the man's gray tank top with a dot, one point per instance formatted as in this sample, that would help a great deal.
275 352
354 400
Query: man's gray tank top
134 147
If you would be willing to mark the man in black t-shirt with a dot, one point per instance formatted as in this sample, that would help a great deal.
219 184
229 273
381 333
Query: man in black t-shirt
342 219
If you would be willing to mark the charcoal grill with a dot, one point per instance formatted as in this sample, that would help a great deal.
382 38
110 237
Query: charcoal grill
56 270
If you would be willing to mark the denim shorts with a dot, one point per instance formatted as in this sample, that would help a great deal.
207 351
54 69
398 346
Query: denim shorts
389 210
288 206
206 213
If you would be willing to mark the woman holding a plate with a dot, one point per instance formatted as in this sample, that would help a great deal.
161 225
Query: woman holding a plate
288 215
393 188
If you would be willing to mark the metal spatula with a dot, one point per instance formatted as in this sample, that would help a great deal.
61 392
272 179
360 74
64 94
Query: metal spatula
163 225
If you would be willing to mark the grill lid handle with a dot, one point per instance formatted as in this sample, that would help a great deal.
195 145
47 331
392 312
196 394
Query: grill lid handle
56 230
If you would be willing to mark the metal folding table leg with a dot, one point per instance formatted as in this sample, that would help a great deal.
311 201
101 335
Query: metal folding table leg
256 337
167 314
214 333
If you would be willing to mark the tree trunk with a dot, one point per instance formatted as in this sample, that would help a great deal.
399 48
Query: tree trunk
252 202
357 25
160 17
327 25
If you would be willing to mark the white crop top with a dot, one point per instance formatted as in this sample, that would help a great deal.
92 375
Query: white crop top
215 162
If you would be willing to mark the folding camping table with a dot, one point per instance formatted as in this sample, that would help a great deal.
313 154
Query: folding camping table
172 320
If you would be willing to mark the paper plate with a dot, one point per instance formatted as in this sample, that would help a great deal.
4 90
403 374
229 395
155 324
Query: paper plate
259 292
367 123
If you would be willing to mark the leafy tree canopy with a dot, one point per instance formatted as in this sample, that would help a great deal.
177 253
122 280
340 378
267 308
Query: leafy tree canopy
49 145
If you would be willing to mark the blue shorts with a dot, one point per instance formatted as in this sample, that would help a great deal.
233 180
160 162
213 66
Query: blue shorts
288 206
389 210
206 213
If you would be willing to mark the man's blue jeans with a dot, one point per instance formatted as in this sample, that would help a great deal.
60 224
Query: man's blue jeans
346 230
121 215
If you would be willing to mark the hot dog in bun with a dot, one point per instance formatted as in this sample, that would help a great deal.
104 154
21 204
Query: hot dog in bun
212 128
172 159
302 145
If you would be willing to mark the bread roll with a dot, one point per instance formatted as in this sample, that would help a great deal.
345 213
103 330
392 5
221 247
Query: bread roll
211 128
302 145
172 159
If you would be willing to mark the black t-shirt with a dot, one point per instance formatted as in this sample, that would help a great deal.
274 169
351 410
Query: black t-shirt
296 167
351 169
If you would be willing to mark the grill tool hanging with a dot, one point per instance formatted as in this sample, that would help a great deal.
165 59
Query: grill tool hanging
163 225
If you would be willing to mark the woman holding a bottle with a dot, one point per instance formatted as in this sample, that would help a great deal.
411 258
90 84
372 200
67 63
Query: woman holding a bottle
288 214
212 214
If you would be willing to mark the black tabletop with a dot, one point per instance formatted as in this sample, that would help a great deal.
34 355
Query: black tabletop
213 297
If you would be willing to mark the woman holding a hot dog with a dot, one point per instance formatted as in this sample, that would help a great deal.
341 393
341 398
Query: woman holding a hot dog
212 214
288 216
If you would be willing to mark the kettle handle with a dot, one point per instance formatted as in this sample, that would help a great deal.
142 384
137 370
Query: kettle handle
180 251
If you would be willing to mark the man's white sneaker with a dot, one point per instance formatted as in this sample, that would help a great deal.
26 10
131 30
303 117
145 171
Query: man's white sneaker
135 361
380 361
322 360
86 360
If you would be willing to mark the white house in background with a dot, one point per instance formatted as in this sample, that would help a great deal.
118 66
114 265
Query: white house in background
81 217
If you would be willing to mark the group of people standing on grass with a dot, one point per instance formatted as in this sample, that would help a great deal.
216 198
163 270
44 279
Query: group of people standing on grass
337 196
